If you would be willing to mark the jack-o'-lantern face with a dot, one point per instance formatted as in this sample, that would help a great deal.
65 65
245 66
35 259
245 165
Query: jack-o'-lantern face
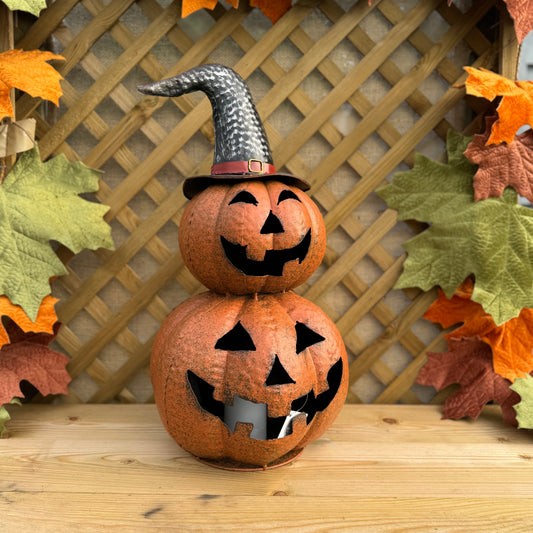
252 236
248 379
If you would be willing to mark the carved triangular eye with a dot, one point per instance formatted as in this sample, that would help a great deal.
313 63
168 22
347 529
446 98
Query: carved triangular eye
236 340
244 197
306 337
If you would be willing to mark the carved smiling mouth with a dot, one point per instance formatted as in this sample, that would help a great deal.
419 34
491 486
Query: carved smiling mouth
272 264
274 427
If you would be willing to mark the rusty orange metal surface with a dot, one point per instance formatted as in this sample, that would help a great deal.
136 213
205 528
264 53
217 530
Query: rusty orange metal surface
252 236
278 354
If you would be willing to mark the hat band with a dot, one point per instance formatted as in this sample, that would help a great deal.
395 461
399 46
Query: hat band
253 166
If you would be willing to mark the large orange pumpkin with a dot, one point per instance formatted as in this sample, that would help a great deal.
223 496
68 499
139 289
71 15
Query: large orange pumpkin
276 358
252 236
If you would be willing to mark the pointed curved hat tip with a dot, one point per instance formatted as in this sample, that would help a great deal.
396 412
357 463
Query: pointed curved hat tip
168 87
147 88
242 151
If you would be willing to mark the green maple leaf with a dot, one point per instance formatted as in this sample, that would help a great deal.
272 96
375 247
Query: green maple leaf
492 238
32 6
39 202
524 409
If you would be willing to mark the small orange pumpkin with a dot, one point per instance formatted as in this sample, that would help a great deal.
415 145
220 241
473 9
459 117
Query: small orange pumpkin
252 236
276 358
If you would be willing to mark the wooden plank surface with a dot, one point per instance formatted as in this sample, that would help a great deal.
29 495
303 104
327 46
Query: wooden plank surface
103 468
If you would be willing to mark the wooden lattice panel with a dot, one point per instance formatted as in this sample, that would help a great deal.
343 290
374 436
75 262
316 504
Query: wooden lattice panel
347 93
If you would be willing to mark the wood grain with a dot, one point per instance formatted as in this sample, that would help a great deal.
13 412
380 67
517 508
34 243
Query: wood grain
378 468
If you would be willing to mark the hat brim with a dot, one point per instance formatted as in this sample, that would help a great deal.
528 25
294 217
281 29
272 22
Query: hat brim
196 184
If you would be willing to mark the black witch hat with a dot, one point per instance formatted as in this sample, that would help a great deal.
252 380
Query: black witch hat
242 151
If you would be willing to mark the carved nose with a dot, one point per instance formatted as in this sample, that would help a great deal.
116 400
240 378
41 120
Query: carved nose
272 225
278 375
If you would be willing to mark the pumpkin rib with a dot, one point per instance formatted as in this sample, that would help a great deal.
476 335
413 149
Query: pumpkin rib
179 317
260 186
225 374
209 245
311 352
317 225
195 313
274 204
180 314
156 364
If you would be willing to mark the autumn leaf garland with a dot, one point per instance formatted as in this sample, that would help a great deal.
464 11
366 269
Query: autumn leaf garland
477 228
521 11
273 9
39 202
492 239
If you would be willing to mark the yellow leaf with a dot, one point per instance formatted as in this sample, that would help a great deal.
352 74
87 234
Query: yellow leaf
29 72
44 323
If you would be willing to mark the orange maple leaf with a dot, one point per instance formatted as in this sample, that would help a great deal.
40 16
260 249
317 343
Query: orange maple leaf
511 343
190 6
29 72
44 323
516 106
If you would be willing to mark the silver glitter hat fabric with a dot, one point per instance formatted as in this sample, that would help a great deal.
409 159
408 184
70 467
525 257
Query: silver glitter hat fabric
239 132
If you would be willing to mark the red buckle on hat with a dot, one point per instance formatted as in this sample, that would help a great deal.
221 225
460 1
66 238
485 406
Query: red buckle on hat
254 166
251 162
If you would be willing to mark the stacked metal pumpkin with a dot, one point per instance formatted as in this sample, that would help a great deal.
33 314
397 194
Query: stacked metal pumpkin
246 374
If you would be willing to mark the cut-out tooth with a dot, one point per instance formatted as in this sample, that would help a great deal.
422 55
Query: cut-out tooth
264 427
249 412
286 429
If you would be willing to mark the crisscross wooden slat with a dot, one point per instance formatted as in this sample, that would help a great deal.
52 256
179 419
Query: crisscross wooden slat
314 75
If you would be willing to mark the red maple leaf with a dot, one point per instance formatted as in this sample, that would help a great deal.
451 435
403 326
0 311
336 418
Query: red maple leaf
469 363
29 358
502 165
522 13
